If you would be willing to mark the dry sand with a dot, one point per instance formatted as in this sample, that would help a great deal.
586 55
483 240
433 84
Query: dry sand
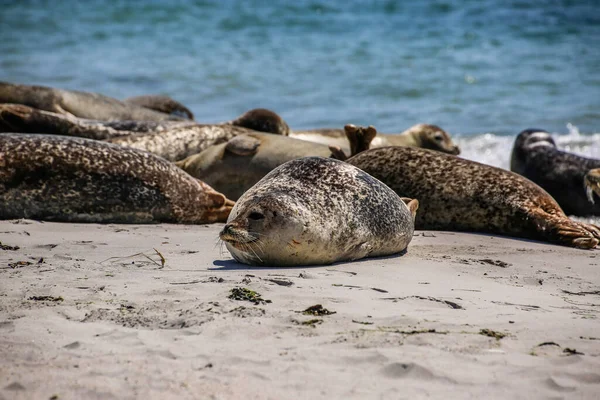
81 320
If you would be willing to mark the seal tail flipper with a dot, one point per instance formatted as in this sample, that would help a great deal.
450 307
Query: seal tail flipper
360 138
412 204
562 230
591 183
219 208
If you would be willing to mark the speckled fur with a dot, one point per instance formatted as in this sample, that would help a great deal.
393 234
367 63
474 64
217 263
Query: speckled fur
462 195
78 180
421 135
180 142
317 211
559 173
76 103
172 140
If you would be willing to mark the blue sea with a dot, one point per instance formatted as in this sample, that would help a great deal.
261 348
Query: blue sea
483 70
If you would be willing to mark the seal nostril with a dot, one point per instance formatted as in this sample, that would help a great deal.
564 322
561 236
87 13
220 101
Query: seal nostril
256 216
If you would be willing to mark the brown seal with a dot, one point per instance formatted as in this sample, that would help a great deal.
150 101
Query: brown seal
161 103
462 195
421 135
77 103
69 179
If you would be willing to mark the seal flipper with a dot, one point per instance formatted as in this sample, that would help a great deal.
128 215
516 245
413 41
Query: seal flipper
591 183
360 138
218 207
337 153
160 103
243 145
562 230
412 204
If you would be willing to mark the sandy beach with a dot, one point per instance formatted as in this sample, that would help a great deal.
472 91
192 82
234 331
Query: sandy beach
91 311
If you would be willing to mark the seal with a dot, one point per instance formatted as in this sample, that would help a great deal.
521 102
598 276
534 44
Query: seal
315 210
562 174
262 120
78 104
238 164
461 195
185 140
421 135
163 104
58 178
173 140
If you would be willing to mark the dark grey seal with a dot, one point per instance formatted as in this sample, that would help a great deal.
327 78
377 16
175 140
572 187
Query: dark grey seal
461 195
317 210
59 178
562 174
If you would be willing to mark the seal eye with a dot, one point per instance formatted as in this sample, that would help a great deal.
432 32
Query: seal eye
439 138
256 216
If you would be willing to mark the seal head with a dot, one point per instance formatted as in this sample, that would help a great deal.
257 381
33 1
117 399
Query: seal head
526 141
262 120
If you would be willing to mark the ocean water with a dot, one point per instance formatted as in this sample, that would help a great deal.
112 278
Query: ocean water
481 69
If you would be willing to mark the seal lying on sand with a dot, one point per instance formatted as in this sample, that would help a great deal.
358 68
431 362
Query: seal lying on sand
421 135
561 174
463 195
177 144
317 211
235 166
173 140
78 104
68 179
163 104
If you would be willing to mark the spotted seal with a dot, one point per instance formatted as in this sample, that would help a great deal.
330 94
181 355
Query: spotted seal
421 135
69 179
462 195
562 174
173 140
79 104
316 210
181 142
